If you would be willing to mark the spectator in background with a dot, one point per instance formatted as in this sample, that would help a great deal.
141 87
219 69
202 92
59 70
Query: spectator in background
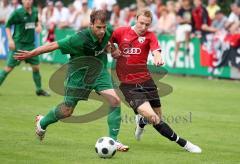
85 15
178 5
233 17
98 4
73 15
104 7
167 21
48 14
212 8
77 5
184 28
117 17
131 19
49 21
219 20
151 5
6 10
16 4
201 22
62 15
159 4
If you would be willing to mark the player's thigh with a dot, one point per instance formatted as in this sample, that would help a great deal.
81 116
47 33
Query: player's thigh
75 89
152 93
11 61
111 96
147 111
104 82
133 97
33 61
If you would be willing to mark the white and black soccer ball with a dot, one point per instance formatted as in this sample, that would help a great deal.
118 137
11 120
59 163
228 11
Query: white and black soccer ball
105 147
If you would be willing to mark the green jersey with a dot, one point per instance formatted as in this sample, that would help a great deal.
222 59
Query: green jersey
24 26
85 43
86 52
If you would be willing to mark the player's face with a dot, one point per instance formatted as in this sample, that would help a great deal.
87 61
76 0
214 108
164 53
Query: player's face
142 24
197 3
99 29
27 3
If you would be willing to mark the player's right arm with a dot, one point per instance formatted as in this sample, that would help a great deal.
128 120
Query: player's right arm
22 55
11 21
11 43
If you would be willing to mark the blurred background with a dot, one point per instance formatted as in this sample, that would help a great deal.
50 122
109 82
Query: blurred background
198 37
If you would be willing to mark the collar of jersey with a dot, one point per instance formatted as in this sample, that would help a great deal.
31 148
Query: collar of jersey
133 29
94 38
25 11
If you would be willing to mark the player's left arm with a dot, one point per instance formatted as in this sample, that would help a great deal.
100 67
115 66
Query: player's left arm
156 51
158 60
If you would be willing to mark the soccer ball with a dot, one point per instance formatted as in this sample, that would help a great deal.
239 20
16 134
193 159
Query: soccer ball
105 147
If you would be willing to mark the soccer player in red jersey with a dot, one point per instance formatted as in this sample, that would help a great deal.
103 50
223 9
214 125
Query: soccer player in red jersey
136 84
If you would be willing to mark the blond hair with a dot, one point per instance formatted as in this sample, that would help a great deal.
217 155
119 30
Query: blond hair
145 12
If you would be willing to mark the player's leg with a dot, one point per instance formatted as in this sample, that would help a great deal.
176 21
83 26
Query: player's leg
71 97
62 111
4 73
10 65
37 76
114 116
165 130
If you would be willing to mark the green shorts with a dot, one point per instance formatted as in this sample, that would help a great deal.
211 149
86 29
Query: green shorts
11 62
76 89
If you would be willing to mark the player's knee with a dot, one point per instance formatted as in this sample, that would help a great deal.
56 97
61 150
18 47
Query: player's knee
115 102
154 119
8 69
67 112
35 68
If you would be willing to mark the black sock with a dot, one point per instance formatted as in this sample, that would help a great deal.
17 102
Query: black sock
167 132
142 122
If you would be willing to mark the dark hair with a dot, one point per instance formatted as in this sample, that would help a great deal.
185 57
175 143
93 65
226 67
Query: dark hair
98 15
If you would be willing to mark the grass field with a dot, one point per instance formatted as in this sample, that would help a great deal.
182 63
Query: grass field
203 111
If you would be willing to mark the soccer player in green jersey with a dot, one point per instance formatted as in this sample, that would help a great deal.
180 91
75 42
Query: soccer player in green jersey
90 43
25 22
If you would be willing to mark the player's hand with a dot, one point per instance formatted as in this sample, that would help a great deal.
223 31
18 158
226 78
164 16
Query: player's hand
11 45
22 55
158 61
109 47
116 54
38 29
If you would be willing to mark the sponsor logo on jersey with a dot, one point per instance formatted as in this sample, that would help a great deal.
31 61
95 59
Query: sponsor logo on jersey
30 25
99 52
141 39
133 51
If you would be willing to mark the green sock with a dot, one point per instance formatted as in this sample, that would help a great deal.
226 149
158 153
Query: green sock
3 75
50 118
37 80
114 122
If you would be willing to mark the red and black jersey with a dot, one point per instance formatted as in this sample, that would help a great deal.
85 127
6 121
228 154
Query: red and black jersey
132 66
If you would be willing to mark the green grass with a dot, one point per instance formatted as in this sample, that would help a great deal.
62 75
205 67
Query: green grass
214 124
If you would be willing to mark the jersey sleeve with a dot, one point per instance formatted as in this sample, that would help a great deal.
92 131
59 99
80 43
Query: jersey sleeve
12 20
70 45
154 45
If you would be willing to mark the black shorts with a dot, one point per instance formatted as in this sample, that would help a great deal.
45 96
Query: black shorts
137 94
